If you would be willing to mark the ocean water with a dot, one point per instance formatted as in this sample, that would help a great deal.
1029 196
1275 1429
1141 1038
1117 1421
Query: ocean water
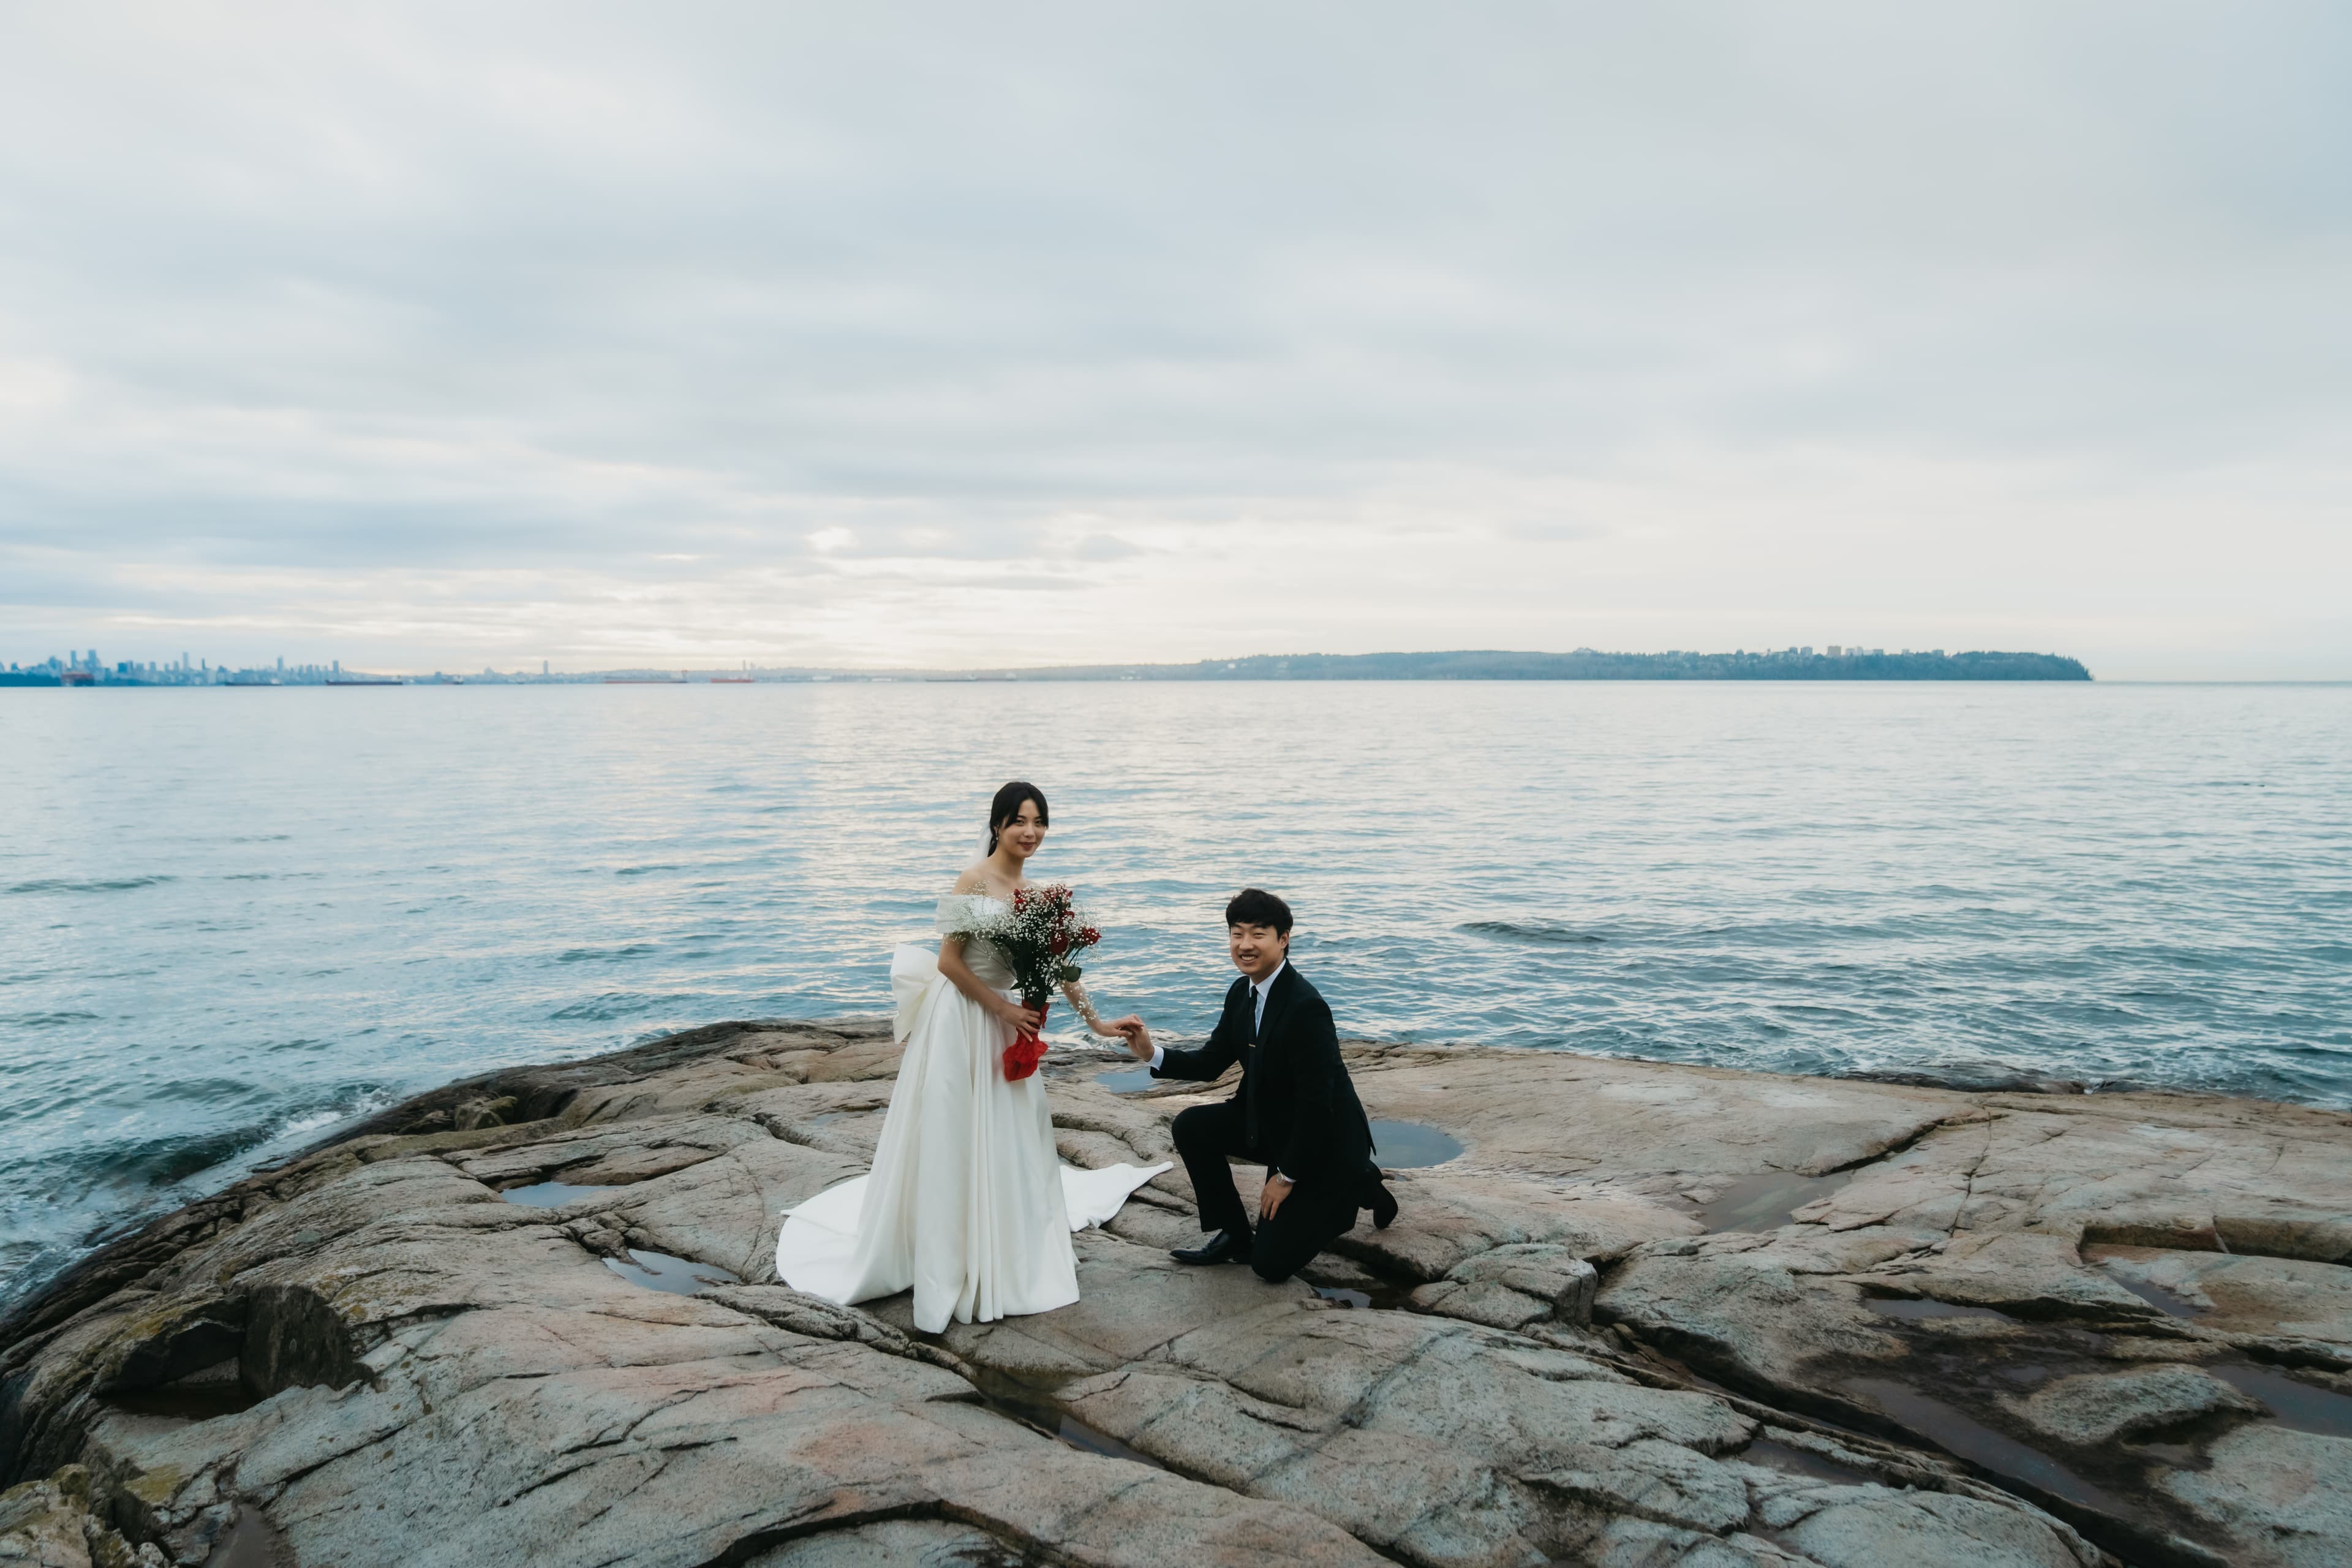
229 918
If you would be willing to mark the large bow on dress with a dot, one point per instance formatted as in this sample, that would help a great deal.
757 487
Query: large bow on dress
912 970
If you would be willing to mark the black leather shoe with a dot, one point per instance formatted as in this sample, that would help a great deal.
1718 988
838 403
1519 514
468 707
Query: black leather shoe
1384 1206
1225 1246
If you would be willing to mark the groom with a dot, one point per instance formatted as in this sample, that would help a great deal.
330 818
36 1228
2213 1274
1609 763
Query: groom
1295 1112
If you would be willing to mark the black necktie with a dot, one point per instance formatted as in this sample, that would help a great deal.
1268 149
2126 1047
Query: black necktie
1249 1065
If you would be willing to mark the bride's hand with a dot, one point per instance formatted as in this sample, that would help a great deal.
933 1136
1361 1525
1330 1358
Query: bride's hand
1022 1018
1139 1038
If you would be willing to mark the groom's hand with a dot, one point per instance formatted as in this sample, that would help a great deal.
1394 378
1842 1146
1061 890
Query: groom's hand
1138 1038
1276 1189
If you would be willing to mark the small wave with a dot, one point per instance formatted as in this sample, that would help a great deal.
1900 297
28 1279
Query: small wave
153 1164
591 955
140 1170
1548 935
366 1102
45 1020
69 885
302 1044
1976 1077
603 1009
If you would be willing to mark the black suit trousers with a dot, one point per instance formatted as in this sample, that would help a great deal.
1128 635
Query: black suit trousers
1315 1215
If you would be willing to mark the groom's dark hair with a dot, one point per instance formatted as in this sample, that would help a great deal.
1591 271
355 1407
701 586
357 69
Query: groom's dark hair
1257 907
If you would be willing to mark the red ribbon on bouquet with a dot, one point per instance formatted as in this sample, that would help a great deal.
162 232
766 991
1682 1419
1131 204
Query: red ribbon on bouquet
1027 1050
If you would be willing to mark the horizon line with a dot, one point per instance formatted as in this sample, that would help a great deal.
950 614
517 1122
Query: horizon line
1585 662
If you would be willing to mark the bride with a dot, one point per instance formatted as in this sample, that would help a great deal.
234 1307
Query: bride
968 1202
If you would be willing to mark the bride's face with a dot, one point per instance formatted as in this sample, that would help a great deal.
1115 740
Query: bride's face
1023 833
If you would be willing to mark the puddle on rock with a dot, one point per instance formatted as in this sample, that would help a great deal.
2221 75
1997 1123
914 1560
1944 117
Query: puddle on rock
251 1542
1410 1145
1980 1445
552 1194
1792 1460
2305 1407
1767 1201
1126 1081
2170 1303
1926 1308
1344 1282
678 1276
1034 1407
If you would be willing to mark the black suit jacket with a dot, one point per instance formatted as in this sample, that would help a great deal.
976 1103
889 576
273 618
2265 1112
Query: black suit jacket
1298 1105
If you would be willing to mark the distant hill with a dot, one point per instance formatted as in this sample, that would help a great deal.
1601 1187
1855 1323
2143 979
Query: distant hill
1584 663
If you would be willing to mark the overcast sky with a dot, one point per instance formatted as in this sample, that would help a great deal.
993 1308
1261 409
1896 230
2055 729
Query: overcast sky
451 336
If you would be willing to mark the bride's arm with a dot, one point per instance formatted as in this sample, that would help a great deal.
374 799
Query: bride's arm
1076 992
993 1002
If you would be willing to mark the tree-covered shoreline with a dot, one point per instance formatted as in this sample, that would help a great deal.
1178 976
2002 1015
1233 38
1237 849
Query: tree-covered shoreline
1589 664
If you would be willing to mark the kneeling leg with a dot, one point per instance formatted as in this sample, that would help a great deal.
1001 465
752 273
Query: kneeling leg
1205 1135
1307 1222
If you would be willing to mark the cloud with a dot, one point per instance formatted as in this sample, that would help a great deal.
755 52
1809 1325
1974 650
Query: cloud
1328 326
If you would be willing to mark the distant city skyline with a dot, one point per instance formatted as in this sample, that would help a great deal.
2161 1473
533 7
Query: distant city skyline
911 335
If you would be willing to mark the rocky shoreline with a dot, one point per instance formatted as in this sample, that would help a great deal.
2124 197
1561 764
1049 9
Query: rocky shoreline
1649 1315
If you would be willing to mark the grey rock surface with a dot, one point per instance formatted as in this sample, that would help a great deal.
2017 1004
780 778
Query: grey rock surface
2281 1489
366 1355
2096 1407
1514 1286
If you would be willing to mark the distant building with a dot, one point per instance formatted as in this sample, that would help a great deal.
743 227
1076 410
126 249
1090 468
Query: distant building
1835 649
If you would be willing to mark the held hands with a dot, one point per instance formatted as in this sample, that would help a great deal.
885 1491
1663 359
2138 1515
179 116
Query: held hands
1139 1038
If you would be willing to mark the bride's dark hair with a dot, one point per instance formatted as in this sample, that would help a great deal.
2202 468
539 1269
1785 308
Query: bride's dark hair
1007 806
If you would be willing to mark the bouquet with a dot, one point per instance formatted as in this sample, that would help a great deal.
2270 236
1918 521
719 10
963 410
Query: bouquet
1040 935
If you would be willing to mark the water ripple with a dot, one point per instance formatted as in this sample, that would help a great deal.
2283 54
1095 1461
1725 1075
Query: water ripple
101 885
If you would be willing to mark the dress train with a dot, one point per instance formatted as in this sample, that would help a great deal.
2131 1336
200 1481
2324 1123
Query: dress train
968 1202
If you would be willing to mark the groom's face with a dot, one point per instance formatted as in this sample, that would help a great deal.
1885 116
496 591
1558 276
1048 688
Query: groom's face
1258 951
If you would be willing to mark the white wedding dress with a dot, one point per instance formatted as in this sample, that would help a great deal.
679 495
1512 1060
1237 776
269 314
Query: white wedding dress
968 1202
